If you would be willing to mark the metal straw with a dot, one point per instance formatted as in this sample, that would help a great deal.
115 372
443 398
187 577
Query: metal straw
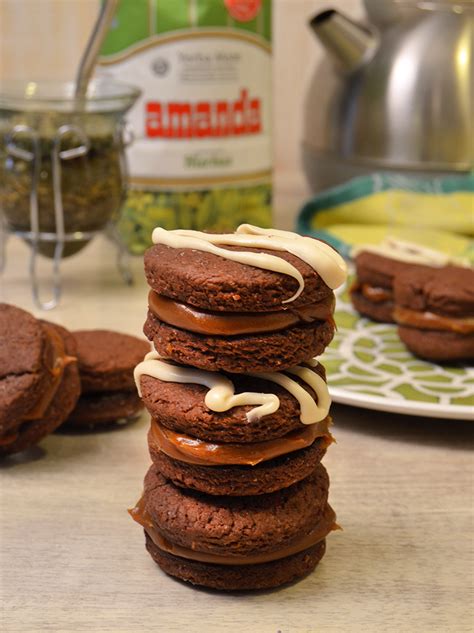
89 58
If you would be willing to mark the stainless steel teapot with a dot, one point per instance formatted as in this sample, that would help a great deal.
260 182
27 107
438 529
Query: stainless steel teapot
394 95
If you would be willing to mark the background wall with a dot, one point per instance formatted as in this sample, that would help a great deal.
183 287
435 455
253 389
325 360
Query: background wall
45 38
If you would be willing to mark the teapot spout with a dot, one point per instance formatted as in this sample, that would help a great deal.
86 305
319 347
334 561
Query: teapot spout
348 43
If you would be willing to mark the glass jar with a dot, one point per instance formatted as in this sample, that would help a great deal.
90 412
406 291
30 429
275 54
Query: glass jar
62 166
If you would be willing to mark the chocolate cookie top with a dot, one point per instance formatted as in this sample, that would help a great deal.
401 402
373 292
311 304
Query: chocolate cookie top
447 291
377 270
253 248
211 282
182 408
235 525
379 264
25 353
232 407
107 359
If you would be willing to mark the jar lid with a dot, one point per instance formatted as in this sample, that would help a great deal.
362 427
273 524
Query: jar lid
38 96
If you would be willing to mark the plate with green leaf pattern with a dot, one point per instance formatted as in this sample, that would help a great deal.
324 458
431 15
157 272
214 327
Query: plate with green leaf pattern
368 366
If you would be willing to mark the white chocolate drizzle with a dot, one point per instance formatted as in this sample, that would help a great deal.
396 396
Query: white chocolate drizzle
222 397
329 265
408 252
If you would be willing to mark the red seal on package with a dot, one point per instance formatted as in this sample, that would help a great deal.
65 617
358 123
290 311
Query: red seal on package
243 10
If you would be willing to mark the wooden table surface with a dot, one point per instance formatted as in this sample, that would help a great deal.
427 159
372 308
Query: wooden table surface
72 560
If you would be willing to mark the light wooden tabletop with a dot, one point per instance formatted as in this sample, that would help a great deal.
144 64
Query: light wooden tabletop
71 559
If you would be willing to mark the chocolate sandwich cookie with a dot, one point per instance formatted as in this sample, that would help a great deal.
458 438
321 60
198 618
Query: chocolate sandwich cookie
271 429
243 305
236 469
238 577
234 543
434 309
178 397
106 362
372 291
39 380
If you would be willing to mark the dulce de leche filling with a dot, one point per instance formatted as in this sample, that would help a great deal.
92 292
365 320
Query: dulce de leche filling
193 451
431 321
8 439
325 525
61 360
372 293
193 319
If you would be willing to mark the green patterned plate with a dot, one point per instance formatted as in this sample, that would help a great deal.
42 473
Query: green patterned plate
368 366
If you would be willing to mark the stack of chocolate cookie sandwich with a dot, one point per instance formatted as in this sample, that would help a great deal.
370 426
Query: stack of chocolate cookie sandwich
39 378
421 290
236 497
